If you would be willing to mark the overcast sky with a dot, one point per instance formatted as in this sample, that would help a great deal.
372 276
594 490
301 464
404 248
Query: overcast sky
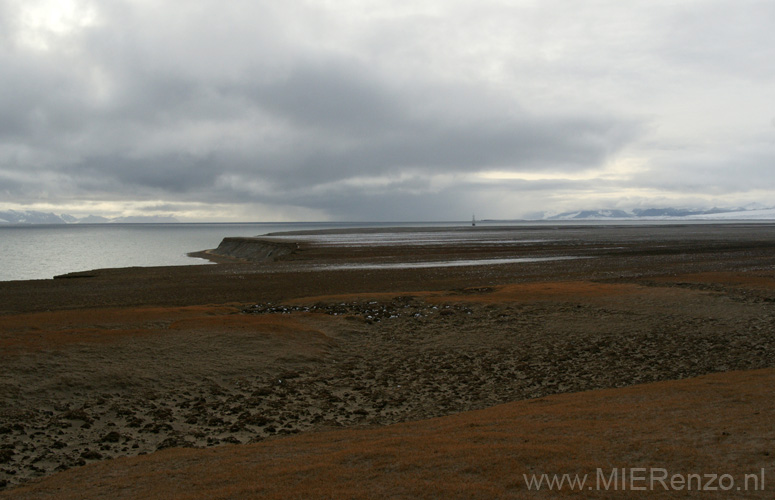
257 110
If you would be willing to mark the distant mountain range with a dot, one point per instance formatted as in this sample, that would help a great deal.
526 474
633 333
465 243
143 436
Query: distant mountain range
33 217
667 213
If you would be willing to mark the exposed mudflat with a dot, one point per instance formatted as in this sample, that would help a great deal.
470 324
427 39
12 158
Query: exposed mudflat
119 363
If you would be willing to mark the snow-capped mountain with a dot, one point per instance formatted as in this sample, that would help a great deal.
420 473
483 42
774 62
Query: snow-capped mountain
592 214
29 217
668 214
35 217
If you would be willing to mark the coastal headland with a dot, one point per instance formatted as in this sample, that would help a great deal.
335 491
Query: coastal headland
420 363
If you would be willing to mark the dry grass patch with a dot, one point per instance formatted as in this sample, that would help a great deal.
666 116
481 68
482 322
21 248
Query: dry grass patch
59 329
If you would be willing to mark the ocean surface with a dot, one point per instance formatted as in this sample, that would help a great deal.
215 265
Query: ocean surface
43 251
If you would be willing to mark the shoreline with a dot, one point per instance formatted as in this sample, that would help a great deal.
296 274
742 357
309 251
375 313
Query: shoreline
556 227
130 361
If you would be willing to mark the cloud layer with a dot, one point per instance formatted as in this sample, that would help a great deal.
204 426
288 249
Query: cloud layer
375 111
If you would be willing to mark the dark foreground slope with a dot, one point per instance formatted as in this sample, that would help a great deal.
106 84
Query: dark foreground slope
710 437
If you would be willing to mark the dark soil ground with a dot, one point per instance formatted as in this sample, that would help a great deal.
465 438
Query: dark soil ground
120 363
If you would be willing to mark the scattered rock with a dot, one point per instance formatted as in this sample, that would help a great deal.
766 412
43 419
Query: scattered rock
111 437
91 455
173 442
79 414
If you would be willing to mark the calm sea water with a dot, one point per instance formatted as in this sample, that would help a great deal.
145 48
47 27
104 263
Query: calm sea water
44 251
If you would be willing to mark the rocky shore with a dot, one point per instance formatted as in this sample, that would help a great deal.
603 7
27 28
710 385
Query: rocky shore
247 249
129 362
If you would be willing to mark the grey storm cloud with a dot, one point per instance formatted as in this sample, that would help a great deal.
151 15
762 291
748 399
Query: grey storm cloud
162 174
372 109
349 124
343 122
